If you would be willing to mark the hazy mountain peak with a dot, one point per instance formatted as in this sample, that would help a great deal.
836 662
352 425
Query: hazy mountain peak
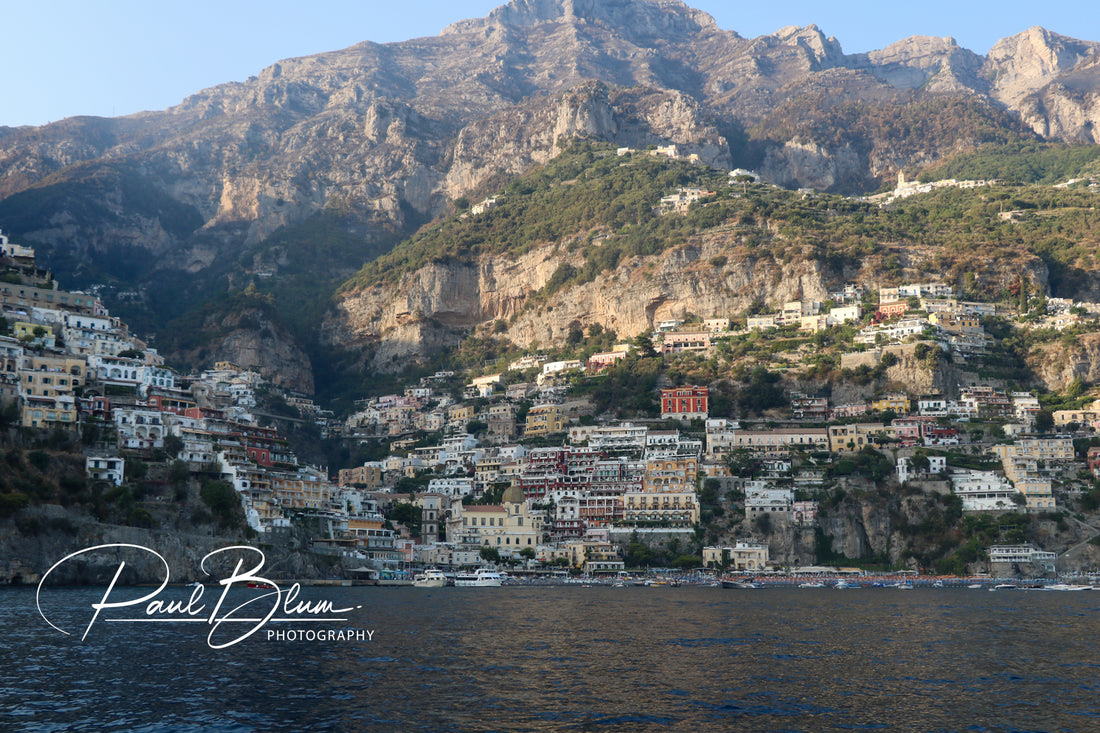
810 38
930 62
653 16
1029 59
915 46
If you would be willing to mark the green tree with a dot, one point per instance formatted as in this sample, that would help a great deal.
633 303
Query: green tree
1044 421
178 472
638 555
643 344
687 562
173 444
222 501
408 514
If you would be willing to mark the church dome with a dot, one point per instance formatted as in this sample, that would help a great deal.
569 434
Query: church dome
512 495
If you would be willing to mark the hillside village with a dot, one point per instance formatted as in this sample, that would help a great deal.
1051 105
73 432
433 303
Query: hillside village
518 466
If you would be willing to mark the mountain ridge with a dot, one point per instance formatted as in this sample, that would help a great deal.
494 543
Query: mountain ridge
384 137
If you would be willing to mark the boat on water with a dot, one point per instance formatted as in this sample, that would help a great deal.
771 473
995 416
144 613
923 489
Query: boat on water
481 578
430 579
1065 587
740 584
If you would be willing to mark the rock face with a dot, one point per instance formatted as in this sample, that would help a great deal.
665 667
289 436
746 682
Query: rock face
1058 364
393 131
250 338
715 274
510 142
1051 81
387 136
53 532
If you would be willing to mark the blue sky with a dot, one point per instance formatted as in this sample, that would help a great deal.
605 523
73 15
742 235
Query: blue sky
60 58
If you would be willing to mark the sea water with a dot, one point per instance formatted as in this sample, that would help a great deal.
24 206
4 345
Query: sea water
569 658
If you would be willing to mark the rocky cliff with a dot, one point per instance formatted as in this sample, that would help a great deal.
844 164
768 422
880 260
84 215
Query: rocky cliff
251 338
393 131
1057 364
40 536
719 272
387 136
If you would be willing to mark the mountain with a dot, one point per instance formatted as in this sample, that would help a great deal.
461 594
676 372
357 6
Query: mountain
295 177
582 242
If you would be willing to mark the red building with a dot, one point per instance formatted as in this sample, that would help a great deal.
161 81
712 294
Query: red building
685 403
895 308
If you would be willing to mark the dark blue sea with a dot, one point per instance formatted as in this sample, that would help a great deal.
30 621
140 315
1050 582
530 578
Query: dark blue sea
571 659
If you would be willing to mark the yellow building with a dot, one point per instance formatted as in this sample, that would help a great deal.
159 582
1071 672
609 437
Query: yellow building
544 420
854 437
50 376
741 556
780 440
1037 491
509 527
899 403
667 493
1062 418
459 416
41 412
46 384
34 332
362 529
956 321
1041 449
369 475
300 490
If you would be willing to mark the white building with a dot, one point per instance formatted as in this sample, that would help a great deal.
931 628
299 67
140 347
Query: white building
767 500
105 468
139 429
906 471
892 332
844 314
743 556
1021 554
624 437
452 486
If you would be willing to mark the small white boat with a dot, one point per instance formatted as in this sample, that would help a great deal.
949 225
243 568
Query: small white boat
811 585
430 579
481 578
1066 587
